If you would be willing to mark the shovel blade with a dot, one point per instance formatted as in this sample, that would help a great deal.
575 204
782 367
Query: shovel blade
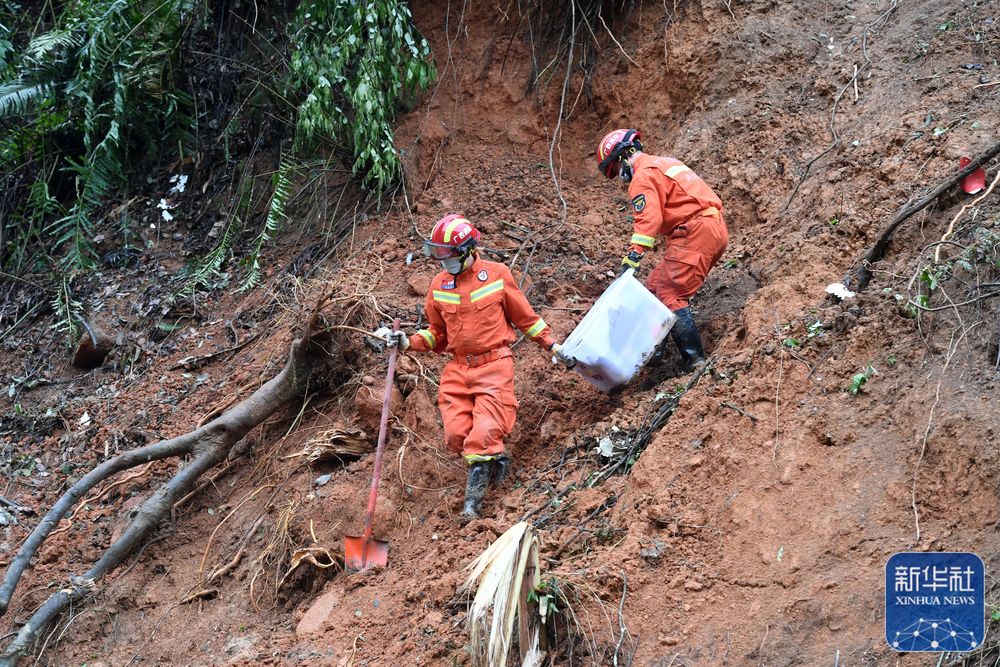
361 555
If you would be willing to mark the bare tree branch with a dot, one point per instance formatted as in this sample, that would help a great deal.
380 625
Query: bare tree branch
208 445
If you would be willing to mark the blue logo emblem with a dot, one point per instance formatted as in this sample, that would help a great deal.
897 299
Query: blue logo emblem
935 601
639 203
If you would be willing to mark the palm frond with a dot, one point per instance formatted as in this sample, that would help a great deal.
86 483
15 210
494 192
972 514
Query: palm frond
505 576
20 97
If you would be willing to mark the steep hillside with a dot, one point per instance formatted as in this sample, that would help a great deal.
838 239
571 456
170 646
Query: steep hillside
754 527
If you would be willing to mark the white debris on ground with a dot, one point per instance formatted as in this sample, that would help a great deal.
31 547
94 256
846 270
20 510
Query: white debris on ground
839 290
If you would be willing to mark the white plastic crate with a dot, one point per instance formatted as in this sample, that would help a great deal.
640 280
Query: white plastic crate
619 333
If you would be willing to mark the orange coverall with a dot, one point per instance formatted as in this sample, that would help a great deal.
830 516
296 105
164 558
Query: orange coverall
670 200
470 316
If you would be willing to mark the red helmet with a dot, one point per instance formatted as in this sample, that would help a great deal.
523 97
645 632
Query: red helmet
616 145
452 236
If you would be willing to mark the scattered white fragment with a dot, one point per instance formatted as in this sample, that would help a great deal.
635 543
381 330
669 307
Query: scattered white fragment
181 183
85 419
606 448
167 217
839 291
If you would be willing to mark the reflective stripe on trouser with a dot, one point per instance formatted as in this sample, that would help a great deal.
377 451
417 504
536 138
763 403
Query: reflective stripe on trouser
478 407
690 254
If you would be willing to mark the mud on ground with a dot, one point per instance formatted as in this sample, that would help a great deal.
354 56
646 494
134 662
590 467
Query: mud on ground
754 528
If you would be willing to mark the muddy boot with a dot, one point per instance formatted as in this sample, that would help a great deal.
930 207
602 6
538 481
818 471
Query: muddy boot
475 489
500 468
688 340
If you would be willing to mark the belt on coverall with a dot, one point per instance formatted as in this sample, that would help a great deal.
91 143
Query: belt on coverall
474 360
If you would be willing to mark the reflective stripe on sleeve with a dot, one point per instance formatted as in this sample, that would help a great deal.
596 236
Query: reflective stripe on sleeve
428 336
535 329
484 292
673 171
643 240
446 297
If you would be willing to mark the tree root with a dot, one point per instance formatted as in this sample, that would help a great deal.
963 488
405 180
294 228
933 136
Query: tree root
878 249
208 446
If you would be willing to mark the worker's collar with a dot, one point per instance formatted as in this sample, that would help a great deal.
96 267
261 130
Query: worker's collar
639 160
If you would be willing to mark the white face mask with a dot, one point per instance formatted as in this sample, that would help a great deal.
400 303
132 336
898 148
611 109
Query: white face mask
453 265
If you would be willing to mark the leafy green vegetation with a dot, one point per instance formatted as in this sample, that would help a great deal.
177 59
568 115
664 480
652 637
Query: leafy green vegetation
94 91
354 61
96 94
861 379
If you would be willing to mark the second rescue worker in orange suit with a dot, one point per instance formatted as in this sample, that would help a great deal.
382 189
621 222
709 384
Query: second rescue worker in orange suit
470 308
669 201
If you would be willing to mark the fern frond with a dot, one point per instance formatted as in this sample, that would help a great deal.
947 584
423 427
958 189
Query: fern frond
19 97
205 273
43 45
275 216
68 311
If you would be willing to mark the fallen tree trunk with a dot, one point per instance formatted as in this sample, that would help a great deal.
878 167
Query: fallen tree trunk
877 251
208 446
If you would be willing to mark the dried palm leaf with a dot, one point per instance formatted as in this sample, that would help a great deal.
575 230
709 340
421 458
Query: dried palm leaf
335 443
504 576
316 556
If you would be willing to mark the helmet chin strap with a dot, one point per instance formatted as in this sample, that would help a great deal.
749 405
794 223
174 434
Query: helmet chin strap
625 171
455 265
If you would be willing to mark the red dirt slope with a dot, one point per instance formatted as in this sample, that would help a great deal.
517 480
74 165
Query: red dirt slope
755 536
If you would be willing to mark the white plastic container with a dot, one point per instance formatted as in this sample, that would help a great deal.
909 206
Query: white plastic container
619 333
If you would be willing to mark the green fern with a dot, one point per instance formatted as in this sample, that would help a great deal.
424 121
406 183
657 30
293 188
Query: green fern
276 215
103 77
206 273
68 311
44 45
18 98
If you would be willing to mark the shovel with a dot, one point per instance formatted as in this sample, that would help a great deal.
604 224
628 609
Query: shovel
363 553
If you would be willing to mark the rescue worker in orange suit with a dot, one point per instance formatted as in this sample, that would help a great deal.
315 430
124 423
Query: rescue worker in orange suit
668 201
470 308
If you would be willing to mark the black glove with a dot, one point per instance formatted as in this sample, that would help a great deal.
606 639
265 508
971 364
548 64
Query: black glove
630 261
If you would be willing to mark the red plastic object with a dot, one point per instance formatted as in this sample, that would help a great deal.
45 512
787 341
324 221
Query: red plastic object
975 181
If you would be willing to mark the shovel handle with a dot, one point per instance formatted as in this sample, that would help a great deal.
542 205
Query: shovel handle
382 428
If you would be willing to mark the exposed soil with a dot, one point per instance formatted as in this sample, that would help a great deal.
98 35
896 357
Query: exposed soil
749 536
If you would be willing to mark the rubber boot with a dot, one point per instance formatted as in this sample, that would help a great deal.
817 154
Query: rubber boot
500 468
688 340
475 488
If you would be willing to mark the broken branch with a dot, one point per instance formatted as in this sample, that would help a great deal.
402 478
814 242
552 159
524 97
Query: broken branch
877 251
